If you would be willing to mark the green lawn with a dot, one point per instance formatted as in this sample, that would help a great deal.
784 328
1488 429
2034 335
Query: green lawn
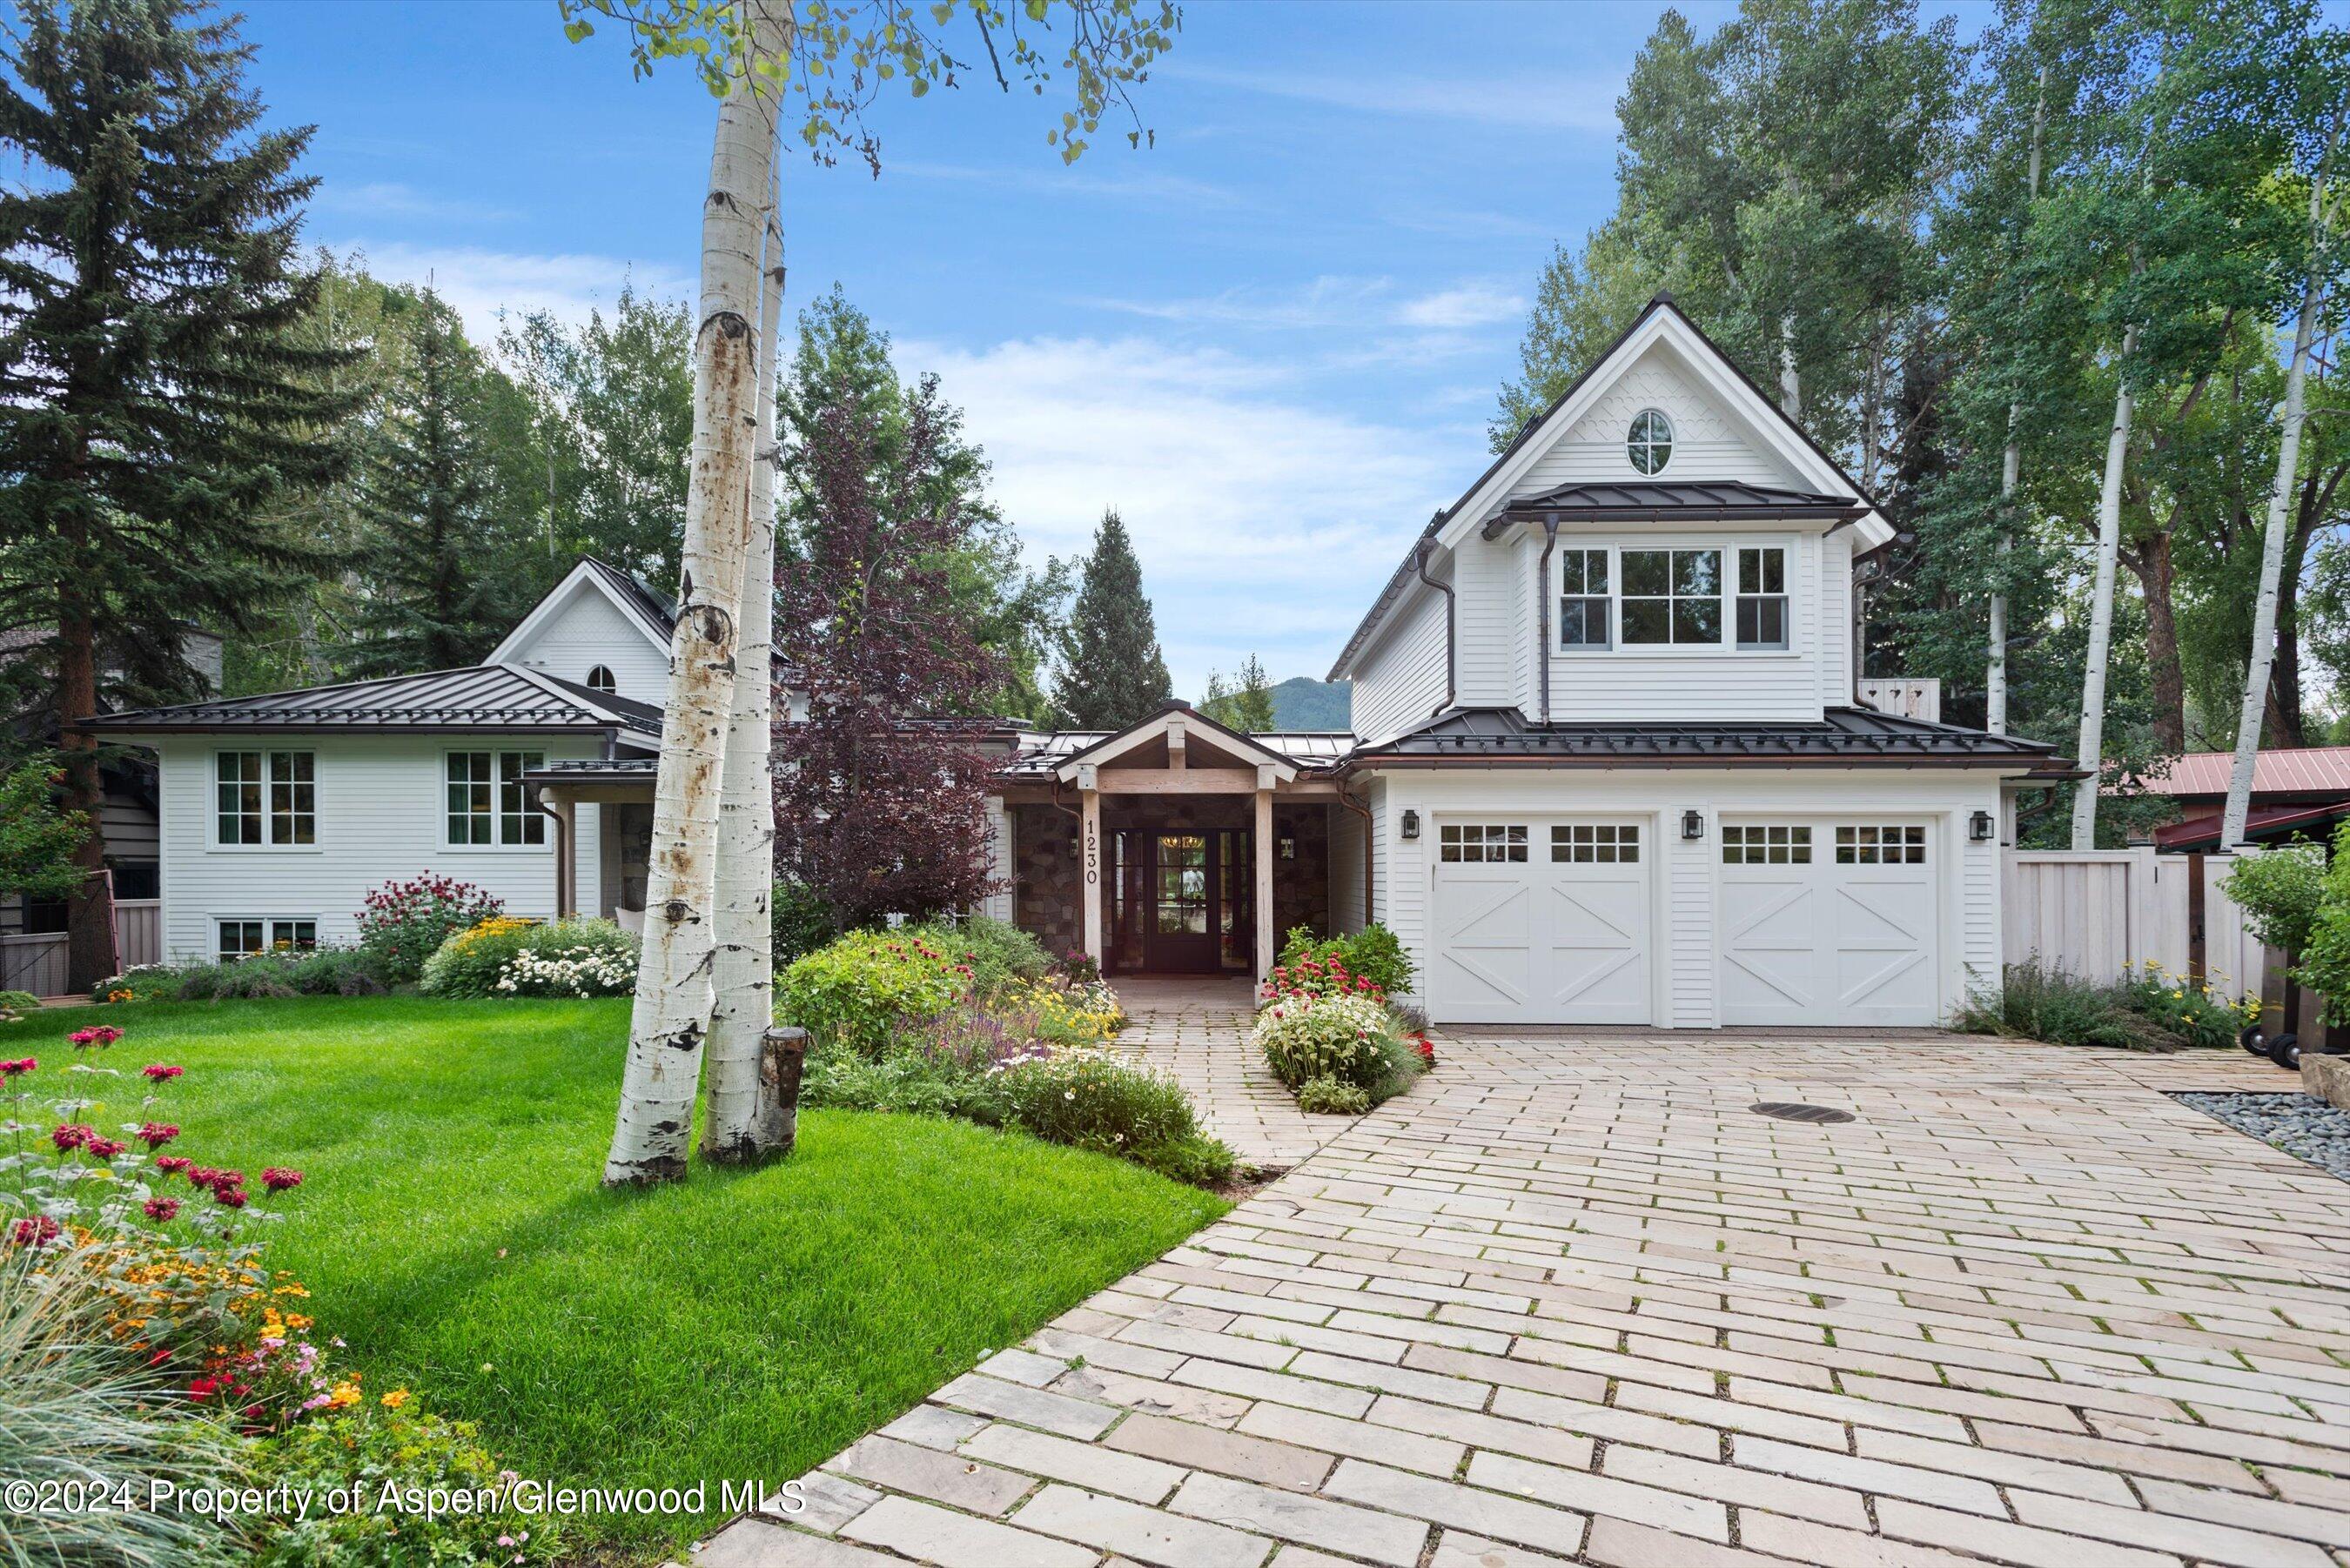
740 1325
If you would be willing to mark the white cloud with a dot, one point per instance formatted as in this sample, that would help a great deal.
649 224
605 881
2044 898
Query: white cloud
479 284
390 199
1265 523
1337 301
1471 304
1544 101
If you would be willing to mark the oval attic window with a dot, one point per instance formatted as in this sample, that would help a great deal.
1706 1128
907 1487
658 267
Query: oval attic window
1650 442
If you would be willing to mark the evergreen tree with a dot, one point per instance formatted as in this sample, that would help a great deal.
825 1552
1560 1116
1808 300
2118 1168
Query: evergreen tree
154 401
1114 673
1245 703
434 540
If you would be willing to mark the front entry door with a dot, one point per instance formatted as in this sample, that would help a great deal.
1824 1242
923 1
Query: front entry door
1179 931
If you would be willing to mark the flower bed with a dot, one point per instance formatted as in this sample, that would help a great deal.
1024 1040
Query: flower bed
505 957
1326 1028
141 1330
2150 1010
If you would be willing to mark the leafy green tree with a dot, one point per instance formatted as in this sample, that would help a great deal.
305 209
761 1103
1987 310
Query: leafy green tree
155 401
1113 672
40 842
1245 703
434 599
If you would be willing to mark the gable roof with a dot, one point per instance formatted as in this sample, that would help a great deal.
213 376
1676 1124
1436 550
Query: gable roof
1659 315
2305 771
478 697
1173 713
651 612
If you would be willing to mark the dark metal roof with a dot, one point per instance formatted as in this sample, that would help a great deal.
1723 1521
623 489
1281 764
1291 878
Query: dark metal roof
480 697
656 610
1659 301
1846 737
1664 501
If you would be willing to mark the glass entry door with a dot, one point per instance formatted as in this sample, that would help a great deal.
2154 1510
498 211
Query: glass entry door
1179 925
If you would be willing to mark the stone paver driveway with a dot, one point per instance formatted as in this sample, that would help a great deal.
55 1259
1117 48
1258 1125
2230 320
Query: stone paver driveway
1196 1029
1571 1299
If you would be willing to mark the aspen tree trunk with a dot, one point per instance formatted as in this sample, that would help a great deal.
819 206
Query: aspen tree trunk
2091 753
1790 384
2011 473
674 987
2296 414
744 1007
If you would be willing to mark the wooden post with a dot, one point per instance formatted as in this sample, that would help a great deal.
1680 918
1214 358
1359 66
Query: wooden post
567 856
1264 837
2198 957
1089 861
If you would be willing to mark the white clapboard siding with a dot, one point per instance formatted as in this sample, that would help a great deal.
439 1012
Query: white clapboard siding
1707 439
588 629
1401 680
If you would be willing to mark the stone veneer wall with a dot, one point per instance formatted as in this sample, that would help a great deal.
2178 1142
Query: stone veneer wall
1048 898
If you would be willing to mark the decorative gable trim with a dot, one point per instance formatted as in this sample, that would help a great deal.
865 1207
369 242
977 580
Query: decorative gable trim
589 571
1176 722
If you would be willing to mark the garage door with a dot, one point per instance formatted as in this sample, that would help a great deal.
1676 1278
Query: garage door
1539 921
1829 922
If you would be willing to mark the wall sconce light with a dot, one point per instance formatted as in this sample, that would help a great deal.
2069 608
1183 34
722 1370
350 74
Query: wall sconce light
1981 825
1288 848
1692 825
1411 824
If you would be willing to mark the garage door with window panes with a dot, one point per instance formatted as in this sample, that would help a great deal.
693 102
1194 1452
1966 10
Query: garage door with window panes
1828 921
1540 920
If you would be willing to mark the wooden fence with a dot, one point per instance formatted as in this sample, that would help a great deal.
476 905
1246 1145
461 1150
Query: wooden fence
2095 912
37 962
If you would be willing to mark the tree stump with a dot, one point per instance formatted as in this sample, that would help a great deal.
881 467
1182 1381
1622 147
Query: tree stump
776 1116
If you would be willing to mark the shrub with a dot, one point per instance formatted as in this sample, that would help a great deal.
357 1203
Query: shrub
2324 964
322 972
1340 1037
1332 1096
404 923
1373 953
2198 1012
800 921
2040 1002
1090 1100
19 1001
372 1444
2281 892
997 953
505 957
856 990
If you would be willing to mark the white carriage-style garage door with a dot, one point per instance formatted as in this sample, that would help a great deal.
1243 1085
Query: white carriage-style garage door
1829 921
1540 921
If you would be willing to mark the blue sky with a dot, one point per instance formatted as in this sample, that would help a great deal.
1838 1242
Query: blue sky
1273 342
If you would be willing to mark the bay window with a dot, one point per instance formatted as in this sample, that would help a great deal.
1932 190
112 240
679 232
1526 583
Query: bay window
1644 596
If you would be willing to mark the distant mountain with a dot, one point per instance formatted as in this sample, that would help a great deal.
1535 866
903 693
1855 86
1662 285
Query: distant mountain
1299 704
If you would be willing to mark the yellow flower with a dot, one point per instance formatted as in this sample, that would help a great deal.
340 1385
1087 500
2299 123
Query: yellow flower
395 1399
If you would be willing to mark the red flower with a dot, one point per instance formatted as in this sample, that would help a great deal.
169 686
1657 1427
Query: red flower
105 1148
71 1135
172 1164
162 1208
161 1073
37 1232
155 1135
225 1178
95 1035
201 1175
232 1197
277 1178
10 1069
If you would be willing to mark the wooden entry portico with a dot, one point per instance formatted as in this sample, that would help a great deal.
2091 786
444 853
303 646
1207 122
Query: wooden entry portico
1177 843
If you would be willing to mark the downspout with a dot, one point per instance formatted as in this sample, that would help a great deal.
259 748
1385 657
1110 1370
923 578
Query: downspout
1542 610
1370 910
1428 548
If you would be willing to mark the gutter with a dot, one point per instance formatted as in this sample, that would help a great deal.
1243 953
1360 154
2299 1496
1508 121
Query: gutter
1451 681
1370 849
1542 607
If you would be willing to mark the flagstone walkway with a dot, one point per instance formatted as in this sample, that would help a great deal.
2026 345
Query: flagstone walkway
1196 1029
1572 1299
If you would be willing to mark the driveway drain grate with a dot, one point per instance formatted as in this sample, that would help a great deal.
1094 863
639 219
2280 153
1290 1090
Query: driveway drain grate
1789 1111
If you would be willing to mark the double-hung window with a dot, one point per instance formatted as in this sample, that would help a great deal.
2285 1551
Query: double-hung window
1584 614
243 938
1762 596
487 800
1671 597
266 797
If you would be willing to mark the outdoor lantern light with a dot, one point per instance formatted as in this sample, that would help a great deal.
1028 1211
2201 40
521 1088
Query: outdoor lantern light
1980 823
1288 848
1411 824
1692 825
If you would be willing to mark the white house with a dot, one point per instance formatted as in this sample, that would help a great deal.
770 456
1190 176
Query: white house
1609 759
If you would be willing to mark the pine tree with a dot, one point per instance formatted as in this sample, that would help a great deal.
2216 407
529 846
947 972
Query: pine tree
154 402
434 541
1115 673
1245 703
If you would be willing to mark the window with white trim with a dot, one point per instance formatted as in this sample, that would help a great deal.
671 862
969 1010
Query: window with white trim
487 804
1649 443
1761 612
1765 843
1671 597
601 679
1595 843
1870 844
1585 609
266 797
1491 842
242 938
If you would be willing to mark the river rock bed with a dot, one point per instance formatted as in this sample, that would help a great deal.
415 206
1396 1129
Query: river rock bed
2304 1127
